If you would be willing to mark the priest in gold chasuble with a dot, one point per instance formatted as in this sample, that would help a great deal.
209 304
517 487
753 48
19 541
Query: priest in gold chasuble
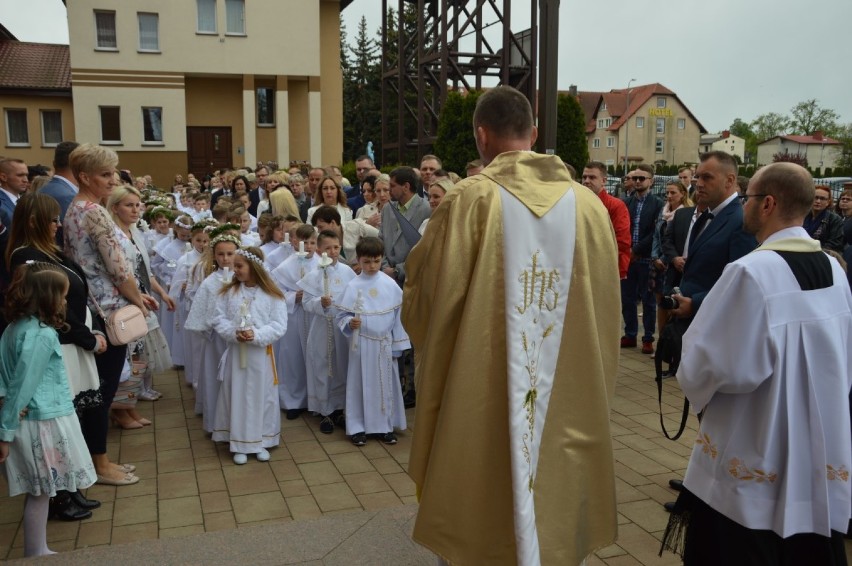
512 304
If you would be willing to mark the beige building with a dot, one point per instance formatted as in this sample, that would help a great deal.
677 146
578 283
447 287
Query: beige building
724 141
200 84
648 124
35 97
821 152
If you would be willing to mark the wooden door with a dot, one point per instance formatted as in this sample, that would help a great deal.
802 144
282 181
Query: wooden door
207 149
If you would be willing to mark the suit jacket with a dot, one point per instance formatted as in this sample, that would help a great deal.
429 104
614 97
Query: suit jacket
396 246
721 242
674 238
647 222
63 194
7 209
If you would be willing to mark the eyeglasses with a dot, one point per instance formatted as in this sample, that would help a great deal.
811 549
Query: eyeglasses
744 198
820 198
638 178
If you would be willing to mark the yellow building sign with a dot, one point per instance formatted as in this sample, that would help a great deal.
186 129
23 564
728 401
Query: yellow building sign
660 112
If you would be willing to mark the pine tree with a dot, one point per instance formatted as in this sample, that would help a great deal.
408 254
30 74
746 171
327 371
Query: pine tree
361 96
455 144
571 143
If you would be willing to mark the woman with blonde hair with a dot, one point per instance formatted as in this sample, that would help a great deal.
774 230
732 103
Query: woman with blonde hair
91 241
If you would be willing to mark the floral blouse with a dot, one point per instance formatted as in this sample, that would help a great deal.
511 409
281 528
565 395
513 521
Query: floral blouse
91 241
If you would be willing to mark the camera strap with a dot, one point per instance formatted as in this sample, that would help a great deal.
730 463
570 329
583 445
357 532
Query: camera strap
669 340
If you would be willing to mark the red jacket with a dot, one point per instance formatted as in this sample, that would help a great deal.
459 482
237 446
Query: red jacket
620 219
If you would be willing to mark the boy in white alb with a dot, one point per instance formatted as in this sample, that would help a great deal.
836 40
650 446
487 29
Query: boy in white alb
369 317
292 373
327 353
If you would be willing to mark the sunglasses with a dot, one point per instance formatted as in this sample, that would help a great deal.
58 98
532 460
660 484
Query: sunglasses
638 178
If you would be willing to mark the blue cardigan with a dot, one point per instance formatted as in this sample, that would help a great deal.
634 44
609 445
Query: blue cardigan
32 375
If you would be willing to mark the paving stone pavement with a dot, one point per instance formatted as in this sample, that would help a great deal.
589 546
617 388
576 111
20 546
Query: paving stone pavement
321 500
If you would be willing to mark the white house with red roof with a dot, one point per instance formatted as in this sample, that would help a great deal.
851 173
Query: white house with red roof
820 150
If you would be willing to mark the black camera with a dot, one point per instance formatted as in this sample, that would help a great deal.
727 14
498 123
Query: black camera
668 303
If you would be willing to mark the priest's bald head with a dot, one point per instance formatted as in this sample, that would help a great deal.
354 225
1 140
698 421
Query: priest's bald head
779 196
503 121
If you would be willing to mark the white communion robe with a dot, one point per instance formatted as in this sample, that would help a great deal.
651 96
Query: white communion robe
199 323
164 266
247 411
327 352
771 366
373 391
178 291
292 373
275 254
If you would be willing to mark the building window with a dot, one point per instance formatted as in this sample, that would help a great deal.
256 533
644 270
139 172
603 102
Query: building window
640 121
235 15
596 143
681 123
51 127
600 123
152 124
265 107
610 141
105 30
607 122
661 102
16 128
110 124
661 125
206 16
603 105
149 32
659 146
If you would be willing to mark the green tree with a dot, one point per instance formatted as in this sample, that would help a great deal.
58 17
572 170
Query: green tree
743 129
808 117
844 164
571 143
455 144
769 125
361 95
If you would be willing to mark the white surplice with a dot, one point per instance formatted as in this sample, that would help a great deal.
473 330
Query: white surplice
248 415
373 392
178 292
199 323
327 349
164 265
771 367
292 371
275 254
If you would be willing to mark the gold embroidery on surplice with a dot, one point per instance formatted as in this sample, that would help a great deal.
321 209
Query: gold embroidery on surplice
739 470
706 445
538 292
840 473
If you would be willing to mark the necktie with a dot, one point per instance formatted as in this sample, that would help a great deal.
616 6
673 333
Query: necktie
699 226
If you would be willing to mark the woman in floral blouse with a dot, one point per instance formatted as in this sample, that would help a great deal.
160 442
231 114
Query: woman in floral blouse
91 241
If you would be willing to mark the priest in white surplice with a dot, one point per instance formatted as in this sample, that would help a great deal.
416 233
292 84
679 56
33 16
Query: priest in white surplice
768 361
512 304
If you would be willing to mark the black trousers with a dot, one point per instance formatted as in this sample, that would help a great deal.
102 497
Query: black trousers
94 423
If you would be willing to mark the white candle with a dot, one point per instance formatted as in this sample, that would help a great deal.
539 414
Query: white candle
301 247
286 237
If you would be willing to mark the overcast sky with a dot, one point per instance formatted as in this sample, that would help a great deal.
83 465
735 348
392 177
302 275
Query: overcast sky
725 59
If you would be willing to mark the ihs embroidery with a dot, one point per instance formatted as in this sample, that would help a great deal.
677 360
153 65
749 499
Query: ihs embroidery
373 292
538 295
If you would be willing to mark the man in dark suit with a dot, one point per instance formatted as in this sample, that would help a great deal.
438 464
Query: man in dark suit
14 181
644 208
714 240
62 187
674 242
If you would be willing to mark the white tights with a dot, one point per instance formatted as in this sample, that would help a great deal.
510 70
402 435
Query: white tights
35 525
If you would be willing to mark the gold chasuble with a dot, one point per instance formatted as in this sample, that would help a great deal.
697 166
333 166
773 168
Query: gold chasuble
512 302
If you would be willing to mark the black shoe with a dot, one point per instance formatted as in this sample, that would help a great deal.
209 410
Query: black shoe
409 400
389 438
293 414
676 485
338 418
82 502
62 508
669 506
359 439
326 425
